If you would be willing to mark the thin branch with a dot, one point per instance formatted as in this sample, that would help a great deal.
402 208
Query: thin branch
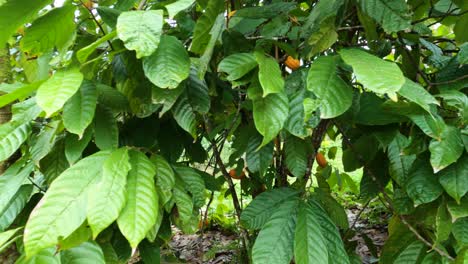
349 28
37 186
317 137
451 81
103 32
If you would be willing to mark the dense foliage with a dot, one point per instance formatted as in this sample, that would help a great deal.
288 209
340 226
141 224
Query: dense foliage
117 106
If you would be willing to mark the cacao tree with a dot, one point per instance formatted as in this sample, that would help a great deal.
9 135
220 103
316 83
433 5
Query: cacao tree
117 106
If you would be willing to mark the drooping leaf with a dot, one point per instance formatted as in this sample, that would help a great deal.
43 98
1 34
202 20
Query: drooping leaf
19 93
295 150
257 213
11 181
184 115
417 94
167 97
296 91
58 215
392 15
443 223
55 162
178 6
47 255
140 30
447 149
334 94
237 65
183 202
275 243
460 230
411 254
454 178
106 133
197 92
80 235
193 183
204 24
269 74
270 113
309 243
215 34
165 178
14 207
52 30
423 185
139 213
74 146
88 252
83 54
52 94
107 197
375 74
78 112
399 164
266 11
45 140
258 158
13 15
7 237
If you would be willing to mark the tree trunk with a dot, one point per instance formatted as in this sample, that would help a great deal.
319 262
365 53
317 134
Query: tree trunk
5 77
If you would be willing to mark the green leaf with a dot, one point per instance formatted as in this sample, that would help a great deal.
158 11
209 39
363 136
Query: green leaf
454 179
140 30
52 94
12 135
266 11
88 252
417 94
7 237
184 203
237 65
13 15
83 54
274 243
165 177
462 55
184 115
80 235
269 74
45 140
75 146
375 74
19 93
423 185
460 29
269 114
109 15
174 8
48 255
55 162
258 158
112 98
78 112
169 65
411 254
167 97
447 149
443 223
193 183
52 30
296 152
139 214
458 210
297 93
392 15
334 210
106 132
58 215
14 207
257 213
309 244
204 24
334 243
197 93
334 94
107 197
460 231
215 34
399 163
11 181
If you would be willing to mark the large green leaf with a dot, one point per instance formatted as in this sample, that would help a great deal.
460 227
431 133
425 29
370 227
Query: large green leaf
52 30
269 74
169 65
74 146
19 93
257 213
52 94
460 231
58 215
14 207
184 115
309 244
48 255
399 164
107 197
443 223
295 88
417 94
447 149
178 6
12 135
266 11
411 254
375 74
87 252
270 113
7 237
258 158
197 92
45 140
55 162
334 94
392 15
83 54
184 203
333 241
167 97
423 185
165 177
78 112
13 15
295 150
237 65
204 24
275 241
106 132
215 33
454 178
139 214
193 183
140 30
11 181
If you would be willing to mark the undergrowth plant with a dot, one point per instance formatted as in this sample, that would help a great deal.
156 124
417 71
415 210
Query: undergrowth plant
116 115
